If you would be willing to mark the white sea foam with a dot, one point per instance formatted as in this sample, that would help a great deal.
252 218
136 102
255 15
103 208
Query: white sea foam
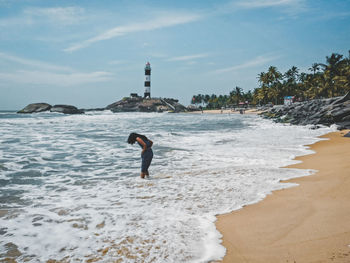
80 196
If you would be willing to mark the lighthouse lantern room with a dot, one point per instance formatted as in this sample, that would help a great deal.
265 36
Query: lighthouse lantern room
147 80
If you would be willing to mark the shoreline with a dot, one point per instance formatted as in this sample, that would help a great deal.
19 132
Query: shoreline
306 223
227 111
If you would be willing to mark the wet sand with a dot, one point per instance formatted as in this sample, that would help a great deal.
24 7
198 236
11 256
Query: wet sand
306 223
3 212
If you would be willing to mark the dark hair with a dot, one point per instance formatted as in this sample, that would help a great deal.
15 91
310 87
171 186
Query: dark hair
133 136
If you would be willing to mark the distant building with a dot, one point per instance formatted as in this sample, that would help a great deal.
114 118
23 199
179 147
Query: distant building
288 100
147 80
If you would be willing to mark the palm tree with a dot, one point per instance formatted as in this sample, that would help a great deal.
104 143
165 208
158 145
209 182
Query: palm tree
314 68
238 94
274 84
248 96
331 70
325 80
290 85
206 99
261 94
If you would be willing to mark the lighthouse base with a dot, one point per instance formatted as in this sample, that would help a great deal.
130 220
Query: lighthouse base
147 95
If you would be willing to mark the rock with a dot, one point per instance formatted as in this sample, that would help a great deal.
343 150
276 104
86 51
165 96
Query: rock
317 115
193 108
315 121
149 105
329 101
66 109
35 107
315 127
139 104
162 108
174 105
341 113
326 112
125 105
346 118
342 99
343 125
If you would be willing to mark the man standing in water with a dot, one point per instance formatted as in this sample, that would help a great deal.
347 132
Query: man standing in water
146 153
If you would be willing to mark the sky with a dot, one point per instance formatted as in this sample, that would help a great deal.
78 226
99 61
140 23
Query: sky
92 53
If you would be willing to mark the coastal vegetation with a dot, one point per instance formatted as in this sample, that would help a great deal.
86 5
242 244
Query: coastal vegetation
323 80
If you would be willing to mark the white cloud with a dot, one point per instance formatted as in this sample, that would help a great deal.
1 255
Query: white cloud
16 21
61 16
258 61
267 3
188 57
54 79
290 7
41 73
32 63
162 21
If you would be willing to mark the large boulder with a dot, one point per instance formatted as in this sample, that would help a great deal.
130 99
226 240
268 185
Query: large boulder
345 98
35 107
66 109
343 125
339 114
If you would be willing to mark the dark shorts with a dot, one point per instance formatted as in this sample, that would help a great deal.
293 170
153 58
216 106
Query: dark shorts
146 160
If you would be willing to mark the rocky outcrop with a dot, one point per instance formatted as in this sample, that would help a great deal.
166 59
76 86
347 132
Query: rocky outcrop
128 104
176 106
41 107
66 109
322 111
125 105
139 104
35 107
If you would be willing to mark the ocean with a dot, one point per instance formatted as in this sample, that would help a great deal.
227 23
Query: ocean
70 186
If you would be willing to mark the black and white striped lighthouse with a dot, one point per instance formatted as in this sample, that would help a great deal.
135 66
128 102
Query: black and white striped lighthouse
147 80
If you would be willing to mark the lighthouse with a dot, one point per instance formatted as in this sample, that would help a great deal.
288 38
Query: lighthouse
147 80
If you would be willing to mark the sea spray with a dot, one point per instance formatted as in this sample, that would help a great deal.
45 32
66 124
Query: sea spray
70 185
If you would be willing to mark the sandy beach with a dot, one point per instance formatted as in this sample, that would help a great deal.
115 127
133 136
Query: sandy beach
228 111
306 223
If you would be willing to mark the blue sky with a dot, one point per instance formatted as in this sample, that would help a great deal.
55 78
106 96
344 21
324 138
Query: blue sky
93 53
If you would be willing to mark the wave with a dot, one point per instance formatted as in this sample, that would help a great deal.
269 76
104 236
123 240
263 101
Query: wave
70 184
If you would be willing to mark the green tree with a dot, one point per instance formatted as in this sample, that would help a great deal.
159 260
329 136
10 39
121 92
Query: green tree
274 84
315 68
332 69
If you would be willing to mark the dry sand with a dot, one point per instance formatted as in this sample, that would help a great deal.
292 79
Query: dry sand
307 223
228 111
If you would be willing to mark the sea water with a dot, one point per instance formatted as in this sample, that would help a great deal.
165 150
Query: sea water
70 187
